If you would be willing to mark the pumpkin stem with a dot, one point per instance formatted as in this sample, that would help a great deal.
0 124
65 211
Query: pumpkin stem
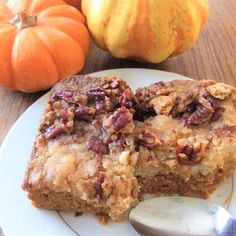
22 20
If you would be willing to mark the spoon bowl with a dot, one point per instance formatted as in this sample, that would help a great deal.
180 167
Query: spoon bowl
181 216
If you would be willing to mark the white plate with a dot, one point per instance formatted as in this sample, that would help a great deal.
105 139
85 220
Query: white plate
19 218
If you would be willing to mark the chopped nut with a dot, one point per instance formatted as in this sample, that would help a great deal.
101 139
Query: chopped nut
49 117
217 114
126 98
182 103
97 145
41 139
120 141
121 118
187 153
70 96
162 104
54 131
147 139
208 98
67 114
97 93
219 91
84 113
201 115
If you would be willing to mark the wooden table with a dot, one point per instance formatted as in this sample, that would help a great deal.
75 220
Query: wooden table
213 57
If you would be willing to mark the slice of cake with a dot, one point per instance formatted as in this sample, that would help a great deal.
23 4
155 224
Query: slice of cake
84 155
99 147
186 136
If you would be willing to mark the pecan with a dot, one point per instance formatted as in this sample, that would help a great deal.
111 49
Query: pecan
64 95
53 131
104 105
49 117
120 141
182 103
121 118
217 114
162 104
64 116
67 114
201 115
97 93
97 145
84 113
219 91
147 139
126 99
70 96
212 100
187 155
98 186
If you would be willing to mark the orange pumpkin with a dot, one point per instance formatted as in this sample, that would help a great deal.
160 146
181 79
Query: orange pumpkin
150 30
74 3
41 45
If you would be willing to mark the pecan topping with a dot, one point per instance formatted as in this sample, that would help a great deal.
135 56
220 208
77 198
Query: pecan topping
182 104
70 96
213 101
187 155
121 118
147 139
97 145
219 91
53 131
217 114
120 141
104 105
97 93
67 114
65 95
207 109
98 186
126 99
84 113
49 117
162 104
201 115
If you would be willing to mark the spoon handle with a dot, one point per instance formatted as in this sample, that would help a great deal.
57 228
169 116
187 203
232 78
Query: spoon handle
227 229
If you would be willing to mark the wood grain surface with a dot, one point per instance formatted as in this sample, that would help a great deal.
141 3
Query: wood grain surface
213 57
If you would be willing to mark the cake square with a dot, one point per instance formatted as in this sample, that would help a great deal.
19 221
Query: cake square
186 136
84 156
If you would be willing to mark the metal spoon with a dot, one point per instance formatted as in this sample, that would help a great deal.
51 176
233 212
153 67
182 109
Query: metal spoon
181 216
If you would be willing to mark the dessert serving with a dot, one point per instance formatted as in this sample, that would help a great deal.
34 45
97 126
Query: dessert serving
187 137
100 147
84 155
